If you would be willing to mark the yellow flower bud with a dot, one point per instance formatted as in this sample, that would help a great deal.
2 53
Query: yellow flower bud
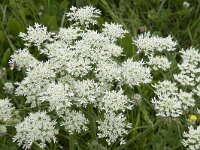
193 118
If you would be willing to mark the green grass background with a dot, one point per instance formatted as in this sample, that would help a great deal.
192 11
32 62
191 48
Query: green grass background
161 17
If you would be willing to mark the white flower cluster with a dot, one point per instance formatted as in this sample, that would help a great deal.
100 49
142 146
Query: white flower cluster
189 68
8 87
192 138
170 101
6 110
74 121
113 127
152 43
35 35
37 127
84 16
159 62
115 101
81 69
35 82
22 59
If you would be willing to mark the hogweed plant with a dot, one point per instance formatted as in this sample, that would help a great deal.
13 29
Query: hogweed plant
84 89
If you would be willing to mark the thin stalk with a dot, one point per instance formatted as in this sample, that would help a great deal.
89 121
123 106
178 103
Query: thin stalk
92 122
71 142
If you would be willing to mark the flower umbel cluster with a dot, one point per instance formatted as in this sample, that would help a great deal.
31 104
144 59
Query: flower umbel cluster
37 127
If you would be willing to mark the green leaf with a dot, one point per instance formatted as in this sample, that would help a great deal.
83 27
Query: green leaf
6 57
50 21
14 27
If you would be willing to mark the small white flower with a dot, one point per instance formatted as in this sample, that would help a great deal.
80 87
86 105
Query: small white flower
6 109
135 73
167 106
191 139
22 59
37 127
186 99
84 16
74 121
150 43
115 101
58 95
186 4
8 87
113 127
36 35
159 62
113 31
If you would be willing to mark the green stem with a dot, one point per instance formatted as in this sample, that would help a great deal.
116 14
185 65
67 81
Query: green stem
71 142
92 122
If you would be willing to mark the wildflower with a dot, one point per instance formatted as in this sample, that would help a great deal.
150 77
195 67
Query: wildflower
37 127
86 92
135 73
113 127
186 4
58 95
167 106
115 101
150 43
113 31
193 118
6 109
191 139
83 16
159 62
74 121
8 87
35 82
22 59
36 35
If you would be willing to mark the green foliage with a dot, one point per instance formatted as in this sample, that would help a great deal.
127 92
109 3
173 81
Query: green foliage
162 17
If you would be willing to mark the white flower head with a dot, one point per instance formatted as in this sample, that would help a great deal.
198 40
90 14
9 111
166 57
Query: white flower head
36 35
58 95
74 121
113 127
113 31
6 109
84 16
115 101
37 127
159 62
22 59
167 106
135 73
191 139
150 43
8 87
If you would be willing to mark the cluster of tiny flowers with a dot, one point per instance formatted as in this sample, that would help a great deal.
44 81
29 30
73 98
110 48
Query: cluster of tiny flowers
114 101
152 43
8 87
6 110
135 73
84 16
171 101
159 62
80 69
37 127
35 35
113 127
189 68
22 59
192 138
35 82
74 121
